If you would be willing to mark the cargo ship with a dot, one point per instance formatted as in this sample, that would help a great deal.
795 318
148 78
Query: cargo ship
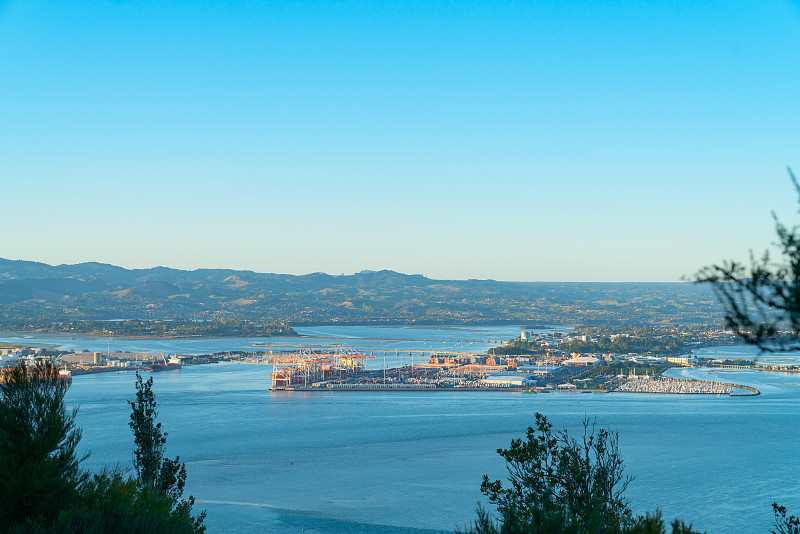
167 365
65 376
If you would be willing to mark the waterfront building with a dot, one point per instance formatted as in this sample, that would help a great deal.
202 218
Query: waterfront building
545 369
502 380
582 361
686 361
79 358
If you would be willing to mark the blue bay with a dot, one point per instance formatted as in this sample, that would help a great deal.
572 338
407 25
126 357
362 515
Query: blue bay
411 462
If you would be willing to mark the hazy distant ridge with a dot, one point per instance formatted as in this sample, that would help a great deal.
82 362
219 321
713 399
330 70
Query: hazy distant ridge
101 291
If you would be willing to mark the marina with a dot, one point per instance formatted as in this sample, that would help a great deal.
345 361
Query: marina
675 386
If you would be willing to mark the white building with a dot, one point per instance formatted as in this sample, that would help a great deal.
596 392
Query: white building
540 370
508 381
582 361
647 359
683 360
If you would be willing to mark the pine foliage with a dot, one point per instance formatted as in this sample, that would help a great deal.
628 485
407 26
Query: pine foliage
39 468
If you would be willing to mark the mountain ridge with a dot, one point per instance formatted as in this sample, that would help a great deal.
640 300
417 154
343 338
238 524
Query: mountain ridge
94 290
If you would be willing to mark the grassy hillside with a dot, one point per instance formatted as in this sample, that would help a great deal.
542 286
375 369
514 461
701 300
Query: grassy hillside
37 293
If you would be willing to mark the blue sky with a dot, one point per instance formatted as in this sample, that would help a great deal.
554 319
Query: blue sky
578 141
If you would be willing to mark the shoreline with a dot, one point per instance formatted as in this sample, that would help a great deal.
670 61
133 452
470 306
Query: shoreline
749 391
398 390
32 333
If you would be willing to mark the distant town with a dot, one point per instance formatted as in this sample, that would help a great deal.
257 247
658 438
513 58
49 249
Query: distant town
586 359
614 336
533 362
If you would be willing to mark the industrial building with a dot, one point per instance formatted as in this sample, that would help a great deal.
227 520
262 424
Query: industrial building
582 361
510 380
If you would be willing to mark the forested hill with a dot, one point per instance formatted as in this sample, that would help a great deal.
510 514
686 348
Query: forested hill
31 291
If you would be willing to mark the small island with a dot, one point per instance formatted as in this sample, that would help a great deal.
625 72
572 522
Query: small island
218 327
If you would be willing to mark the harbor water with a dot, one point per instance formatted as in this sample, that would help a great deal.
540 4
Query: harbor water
412 462
371 339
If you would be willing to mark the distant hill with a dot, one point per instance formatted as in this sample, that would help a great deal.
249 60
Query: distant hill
32 291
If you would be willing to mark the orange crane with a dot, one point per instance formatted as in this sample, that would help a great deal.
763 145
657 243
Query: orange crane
305 366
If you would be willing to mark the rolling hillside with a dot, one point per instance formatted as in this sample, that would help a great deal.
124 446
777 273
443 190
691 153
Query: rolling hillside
31 291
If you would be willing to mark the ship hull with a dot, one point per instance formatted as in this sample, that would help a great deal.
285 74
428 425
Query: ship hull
156 367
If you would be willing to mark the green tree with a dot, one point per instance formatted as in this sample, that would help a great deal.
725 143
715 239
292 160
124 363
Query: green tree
762 301
42 488
762 306
563 485
560 484
782 523
154 471
39 468
112 502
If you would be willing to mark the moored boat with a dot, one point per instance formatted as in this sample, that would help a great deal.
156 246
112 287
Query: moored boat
167 365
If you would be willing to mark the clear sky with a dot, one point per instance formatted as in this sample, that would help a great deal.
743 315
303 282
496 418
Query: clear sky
531 140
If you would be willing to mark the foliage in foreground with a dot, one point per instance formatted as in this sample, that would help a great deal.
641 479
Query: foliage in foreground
762 307
111 502
782 523
44 490
39 471
562 485
154 472
762 301
647 524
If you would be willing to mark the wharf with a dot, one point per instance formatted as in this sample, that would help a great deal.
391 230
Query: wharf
77 371
368 387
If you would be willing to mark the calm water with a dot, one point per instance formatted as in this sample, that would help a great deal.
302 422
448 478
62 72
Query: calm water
403 462
374 339
749 353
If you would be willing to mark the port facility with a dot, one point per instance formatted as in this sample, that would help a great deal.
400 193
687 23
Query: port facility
344 369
